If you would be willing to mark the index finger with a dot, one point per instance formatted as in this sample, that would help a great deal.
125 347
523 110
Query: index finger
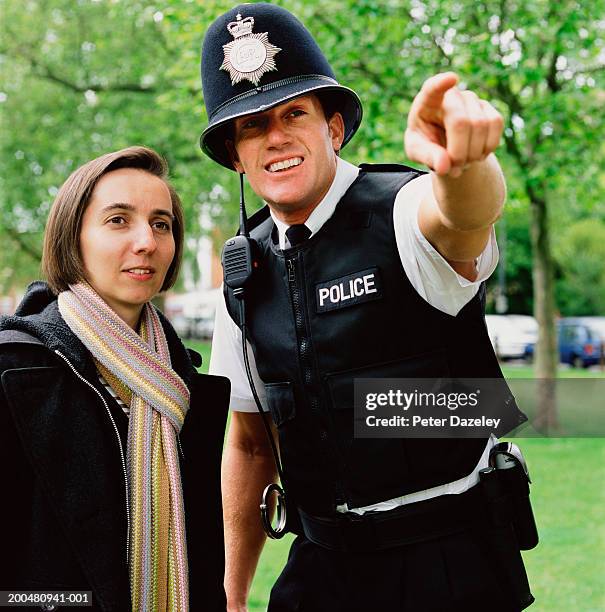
433 89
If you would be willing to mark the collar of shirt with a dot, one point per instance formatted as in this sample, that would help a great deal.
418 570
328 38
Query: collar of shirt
346 173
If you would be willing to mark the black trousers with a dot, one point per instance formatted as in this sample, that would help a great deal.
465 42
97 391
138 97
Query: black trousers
455 572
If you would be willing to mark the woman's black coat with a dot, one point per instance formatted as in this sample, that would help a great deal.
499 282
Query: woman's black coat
64 512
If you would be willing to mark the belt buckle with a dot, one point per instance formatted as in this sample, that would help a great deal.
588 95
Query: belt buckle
358 533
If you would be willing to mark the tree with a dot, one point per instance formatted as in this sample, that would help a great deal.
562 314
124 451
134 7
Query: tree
81 78
542 64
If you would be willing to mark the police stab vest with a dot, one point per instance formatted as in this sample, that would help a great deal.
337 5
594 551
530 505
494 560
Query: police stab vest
339 307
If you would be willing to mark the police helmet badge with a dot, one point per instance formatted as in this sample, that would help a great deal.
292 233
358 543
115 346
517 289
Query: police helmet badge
250 55
245 72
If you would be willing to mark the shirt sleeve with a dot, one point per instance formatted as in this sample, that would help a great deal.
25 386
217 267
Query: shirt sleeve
227 359
430 274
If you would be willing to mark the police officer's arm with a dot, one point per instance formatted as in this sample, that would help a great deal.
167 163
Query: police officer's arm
248 467
455 133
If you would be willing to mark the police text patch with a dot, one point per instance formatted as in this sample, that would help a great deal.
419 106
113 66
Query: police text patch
348 290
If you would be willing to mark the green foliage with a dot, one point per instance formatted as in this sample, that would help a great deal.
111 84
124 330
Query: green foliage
515 255
580 252
81 78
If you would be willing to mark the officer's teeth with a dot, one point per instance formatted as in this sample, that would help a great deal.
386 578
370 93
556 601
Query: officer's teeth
287 163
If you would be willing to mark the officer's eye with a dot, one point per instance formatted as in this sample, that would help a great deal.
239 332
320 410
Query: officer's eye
250 124
117 220
297 112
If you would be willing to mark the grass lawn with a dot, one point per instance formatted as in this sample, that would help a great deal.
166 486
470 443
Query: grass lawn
527 371
568 495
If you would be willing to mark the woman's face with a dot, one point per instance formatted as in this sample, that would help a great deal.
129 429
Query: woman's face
126 240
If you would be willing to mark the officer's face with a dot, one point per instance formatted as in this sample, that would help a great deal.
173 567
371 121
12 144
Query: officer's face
288 155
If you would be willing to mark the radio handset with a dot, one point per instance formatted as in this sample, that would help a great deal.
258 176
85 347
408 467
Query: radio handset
239 252
240 262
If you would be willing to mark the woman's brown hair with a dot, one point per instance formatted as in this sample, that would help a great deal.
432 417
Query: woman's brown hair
61 258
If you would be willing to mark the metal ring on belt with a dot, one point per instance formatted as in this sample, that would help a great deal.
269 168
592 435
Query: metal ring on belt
280 530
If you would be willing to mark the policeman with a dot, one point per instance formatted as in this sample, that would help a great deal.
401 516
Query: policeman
377 271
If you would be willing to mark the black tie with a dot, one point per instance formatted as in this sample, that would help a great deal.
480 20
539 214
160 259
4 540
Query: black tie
297 234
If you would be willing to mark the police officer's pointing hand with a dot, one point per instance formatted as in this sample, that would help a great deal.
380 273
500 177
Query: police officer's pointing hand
449 128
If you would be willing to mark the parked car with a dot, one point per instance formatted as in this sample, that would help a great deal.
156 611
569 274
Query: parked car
580 342
528 326
192 314
525 323
193 327
204 328
596 324
511 334
184 326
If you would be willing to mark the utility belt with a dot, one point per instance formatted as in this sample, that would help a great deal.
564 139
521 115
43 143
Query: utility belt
498 508
417 522
501 498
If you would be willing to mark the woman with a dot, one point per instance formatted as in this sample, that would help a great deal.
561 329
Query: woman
110 442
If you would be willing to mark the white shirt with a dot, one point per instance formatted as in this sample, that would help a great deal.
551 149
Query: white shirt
429 273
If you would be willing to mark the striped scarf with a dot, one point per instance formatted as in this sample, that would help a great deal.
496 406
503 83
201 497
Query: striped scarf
138 369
